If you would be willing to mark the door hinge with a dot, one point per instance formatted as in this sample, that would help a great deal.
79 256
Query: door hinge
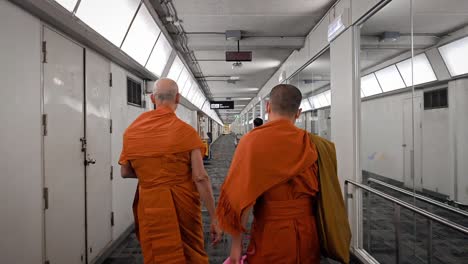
45 195
112 173
110 79
44 52
44 124
112 218
110 126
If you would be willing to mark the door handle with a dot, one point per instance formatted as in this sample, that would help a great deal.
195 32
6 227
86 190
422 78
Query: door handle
89 161
404 145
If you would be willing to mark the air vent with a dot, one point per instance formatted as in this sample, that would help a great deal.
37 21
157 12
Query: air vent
436 99
134 93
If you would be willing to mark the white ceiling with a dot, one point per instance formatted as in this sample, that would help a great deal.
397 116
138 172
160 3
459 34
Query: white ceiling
271 29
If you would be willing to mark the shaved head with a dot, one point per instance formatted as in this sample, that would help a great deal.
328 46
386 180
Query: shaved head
165 91
285 99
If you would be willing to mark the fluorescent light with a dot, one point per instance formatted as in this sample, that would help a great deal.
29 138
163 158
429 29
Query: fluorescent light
370 86
422 70
390 79
141 36
455 55
111 25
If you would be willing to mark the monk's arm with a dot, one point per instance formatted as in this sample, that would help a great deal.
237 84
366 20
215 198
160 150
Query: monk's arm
202 181
236 244
127 171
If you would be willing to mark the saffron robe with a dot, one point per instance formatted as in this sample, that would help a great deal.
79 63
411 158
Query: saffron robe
167 206
274 169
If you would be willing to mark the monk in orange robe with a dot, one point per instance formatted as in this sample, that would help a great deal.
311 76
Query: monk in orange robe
165 154
274 171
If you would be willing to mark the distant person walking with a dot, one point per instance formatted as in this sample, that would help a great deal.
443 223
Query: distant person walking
257 122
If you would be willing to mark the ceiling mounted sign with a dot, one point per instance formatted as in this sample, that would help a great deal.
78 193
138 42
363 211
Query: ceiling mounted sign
222 104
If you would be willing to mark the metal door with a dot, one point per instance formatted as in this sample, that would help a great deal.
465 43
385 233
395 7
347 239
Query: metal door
98 154
63 158
412 143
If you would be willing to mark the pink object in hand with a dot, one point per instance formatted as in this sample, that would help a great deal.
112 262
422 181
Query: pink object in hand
228 260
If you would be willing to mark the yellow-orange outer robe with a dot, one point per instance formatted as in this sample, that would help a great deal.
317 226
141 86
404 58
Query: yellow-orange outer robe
274 169
167 205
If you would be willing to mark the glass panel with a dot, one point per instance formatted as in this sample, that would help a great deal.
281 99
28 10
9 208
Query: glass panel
455 55
176 69
440 152
370 86
68 4
390 79
160 55
305 105
110 18
423 72
141 37
384 129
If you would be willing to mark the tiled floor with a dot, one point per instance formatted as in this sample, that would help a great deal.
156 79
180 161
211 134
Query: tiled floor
448 246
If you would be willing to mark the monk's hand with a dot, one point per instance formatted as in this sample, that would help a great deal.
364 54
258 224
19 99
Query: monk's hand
216 233
236 249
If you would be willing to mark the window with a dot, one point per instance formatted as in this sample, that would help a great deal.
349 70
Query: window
454 55
436 99
390 79
110 18
134 93
159 56
422 70
141 37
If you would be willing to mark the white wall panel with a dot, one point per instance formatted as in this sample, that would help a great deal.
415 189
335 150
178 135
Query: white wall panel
20 137
435 151
458 107
343 108
186 115
382 136
122 115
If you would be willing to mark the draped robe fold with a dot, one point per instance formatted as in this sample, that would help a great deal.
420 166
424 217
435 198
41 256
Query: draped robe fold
274 169
167 207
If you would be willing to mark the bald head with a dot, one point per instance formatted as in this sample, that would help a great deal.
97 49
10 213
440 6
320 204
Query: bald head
165 91
285 100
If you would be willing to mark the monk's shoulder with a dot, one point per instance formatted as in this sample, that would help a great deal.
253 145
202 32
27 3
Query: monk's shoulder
186 127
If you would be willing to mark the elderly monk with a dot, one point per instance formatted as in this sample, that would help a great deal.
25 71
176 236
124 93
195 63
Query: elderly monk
274 171
165 154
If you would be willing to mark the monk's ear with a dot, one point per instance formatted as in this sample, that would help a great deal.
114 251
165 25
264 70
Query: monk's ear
152 98
177 98
268 107
298 114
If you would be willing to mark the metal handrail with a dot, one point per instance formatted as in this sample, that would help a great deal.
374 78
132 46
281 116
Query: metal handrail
420 197
397 212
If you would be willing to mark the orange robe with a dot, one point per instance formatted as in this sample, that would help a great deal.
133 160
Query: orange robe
274 169
167 204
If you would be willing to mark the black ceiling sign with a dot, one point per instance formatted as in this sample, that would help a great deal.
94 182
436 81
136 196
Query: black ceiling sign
222 104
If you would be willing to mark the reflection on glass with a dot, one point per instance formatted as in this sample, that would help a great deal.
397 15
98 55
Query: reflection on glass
110 18
370 86
389 79
455 55
422 70
68 4
141 37
184 76
159 56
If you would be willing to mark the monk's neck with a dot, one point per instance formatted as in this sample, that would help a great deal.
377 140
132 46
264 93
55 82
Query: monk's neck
168 107
281 118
